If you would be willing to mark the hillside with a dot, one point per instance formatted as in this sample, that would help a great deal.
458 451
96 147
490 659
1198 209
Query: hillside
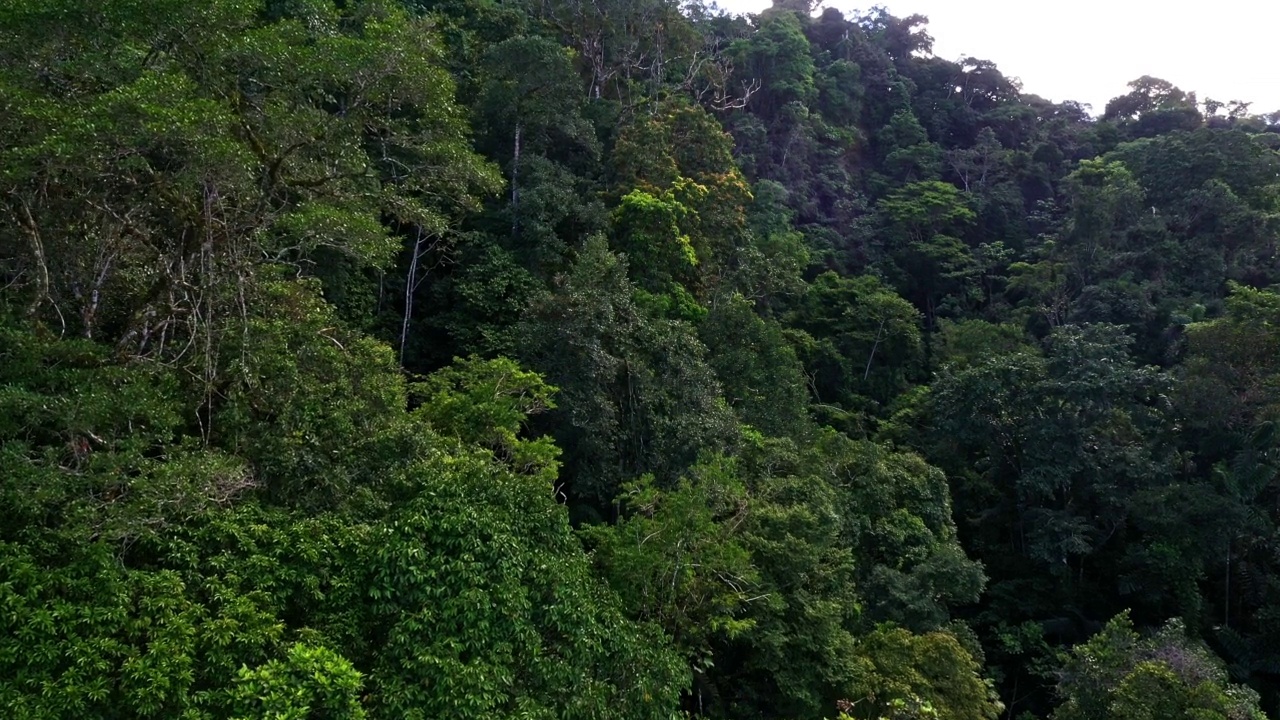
473 359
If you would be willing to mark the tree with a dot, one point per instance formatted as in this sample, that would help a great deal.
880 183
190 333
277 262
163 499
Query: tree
919 217
636 394
908 156
683 209
1154 107
175 176
1148 94
860 343
896 517
761 376
677 558
529 103
921 676
1105 202
1055 452
487 404
433 573
777 53
1118 674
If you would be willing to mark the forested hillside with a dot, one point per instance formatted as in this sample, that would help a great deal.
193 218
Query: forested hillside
622 359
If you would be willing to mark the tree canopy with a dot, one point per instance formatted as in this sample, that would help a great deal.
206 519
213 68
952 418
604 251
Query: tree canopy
624 359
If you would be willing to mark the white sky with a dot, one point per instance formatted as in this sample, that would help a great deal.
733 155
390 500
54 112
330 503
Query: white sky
1087 50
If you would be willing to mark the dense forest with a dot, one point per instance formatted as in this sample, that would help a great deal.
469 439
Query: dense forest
553 359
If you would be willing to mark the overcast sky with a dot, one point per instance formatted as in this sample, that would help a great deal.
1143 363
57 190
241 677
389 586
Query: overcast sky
1087 50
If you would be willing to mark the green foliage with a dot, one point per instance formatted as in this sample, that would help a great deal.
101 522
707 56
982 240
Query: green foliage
650 227
308 682
531 89
1229 378
93 450
683 211
921 676
486 403
800 656
896 517
762 378
305 400
909 156
676 558
1152 107
778 54
970 342
90 638
1073 430
834 328
426 576
643 398
771 266
1227 392
1105 199
861 342
476 308
923 209
481 604
175 174
1118 674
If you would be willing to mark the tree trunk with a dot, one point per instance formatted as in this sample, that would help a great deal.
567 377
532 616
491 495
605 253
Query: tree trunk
515 184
